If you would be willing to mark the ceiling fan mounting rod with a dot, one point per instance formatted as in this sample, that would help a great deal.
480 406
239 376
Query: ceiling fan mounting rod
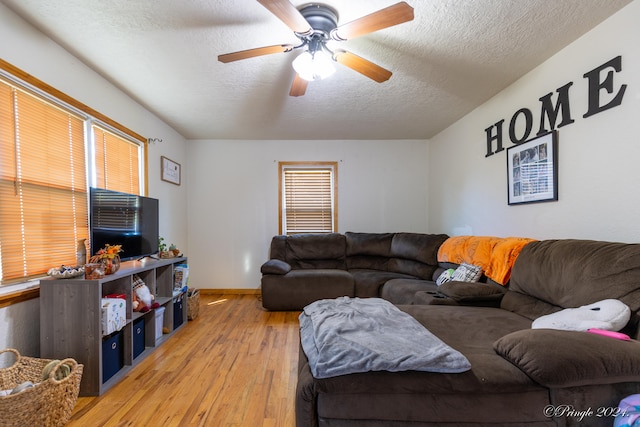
322 19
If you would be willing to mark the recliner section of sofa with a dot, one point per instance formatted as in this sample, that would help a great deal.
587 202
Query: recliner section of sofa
307 267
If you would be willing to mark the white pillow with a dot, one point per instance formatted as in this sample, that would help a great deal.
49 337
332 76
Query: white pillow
608 314
467 273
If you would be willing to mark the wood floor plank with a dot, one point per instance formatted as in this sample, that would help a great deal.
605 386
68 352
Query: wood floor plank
234 365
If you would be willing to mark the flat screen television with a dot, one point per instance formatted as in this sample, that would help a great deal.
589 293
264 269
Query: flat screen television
123 219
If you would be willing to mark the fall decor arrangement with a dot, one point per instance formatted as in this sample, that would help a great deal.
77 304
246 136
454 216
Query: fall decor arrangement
109 258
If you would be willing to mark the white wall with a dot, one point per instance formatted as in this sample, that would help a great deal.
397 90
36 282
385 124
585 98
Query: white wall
28 49
598 156
233 198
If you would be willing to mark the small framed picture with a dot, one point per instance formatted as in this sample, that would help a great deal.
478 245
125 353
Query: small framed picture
169 170
532 170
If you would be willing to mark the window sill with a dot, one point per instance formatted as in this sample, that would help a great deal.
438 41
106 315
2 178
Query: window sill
14 294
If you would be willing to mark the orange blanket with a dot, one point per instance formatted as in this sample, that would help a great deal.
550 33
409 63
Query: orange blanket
496 255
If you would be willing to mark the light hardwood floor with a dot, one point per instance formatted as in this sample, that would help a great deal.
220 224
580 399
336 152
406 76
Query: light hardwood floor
234 365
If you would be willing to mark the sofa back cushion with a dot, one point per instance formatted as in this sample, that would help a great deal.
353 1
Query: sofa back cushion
572 273
368 250
415 254
316 251
278 248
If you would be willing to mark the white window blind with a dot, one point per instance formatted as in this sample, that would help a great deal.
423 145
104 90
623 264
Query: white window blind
308 197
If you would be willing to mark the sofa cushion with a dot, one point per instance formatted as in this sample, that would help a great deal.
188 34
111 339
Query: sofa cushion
368 283
371 244
296 289
490 372
275 266
316 251
471 291
368 250
415 254
555 358
411 268
571 273
278 247
367 262
418 247
472 331
526 305
403 291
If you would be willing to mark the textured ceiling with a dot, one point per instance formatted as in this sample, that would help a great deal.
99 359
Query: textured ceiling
451 58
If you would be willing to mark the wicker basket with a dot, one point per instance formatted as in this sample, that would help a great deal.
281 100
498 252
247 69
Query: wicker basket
193 303
48 403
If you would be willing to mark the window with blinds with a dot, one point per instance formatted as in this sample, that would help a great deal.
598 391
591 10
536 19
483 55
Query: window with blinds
43 187
45 174
116 161
308 197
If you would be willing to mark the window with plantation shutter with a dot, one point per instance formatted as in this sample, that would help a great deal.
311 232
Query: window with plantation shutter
308 197
43 186
117 162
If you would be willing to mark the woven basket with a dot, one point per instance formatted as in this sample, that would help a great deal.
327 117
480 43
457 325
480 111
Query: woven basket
48 403
193 303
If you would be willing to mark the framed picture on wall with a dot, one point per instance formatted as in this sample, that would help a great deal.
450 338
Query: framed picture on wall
532 170
169 170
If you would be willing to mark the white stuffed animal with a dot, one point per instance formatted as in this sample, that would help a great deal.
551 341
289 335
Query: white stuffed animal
608 314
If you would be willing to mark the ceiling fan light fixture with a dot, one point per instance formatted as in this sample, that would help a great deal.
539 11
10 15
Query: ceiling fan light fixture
313 66
316 24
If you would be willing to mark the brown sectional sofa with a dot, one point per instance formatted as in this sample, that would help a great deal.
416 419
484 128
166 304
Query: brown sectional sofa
519 376
307 267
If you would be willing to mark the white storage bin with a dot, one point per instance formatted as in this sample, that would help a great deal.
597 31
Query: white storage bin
159 322
114 315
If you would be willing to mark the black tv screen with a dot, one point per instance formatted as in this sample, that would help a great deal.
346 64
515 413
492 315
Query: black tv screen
123 219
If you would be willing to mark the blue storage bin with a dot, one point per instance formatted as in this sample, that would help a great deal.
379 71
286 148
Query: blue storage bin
112 355
177 311
138 337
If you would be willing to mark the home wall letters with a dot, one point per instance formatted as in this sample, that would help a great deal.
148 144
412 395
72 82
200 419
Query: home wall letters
597 81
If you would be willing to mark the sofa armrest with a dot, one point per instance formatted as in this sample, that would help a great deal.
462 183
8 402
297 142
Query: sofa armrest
556 359
275 266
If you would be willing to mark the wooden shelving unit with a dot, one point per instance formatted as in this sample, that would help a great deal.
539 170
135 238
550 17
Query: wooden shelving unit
70 319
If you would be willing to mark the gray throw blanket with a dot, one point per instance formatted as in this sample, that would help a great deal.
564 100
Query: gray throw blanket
349 335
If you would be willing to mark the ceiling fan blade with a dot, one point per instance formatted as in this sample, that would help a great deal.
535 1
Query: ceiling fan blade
250 53
299 86
361 65
288 14
383 18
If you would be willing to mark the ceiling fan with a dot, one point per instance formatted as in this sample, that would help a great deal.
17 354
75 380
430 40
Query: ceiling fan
316 24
